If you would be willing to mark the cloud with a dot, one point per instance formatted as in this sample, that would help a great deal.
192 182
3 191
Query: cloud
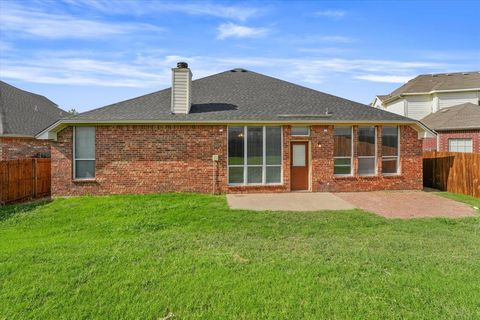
336 14
151 69
4 46
228 12
236 12
316 39
231 30
338 39
384 78
54 26
324 50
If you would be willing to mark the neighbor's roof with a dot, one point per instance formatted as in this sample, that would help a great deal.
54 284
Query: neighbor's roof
383 97
461 117
241 95
427 83
25 113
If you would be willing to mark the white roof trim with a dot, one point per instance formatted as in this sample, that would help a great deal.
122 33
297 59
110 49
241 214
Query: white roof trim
393 98
14 135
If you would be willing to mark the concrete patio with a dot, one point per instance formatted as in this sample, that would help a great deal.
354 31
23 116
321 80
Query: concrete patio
390 204
294 201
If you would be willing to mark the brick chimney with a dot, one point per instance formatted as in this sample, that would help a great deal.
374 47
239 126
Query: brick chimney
181 88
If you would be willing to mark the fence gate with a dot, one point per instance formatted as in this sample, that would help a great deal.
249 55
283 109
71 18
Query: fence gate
452 171
24 179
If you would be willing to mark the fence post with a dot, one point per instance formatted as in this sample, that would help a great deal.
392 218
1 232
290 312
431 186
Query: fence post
34 177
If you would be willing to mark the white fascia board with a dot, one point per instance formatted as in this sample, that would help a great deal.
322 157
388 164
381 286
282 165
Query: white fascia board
15 135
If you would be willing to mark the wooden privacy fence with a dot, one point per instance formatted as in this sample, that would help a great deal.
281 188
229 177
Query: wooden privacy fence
24 179
452 171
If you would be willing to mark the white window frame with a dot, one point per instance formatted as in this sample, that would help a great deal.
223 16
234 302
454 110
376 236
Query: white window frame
351 154
300 135
264 164
457 140
397 172
83 159
368 157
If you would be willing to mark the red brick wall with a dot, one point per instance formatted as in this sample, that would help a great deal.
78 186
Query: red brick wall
12 148
410 176
144 159
469 134
429 144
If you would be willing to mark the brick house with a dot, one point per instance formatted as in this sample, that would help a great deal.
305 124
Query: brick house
236 131
457 128
22 115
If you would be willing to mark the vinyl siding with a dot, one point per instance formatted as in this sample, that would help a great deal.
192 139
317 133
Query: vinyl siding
397 107
455 98
419 106
181 91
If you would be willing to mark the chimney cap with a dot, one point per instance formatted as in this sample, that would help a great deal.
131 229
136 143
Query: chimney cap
182 65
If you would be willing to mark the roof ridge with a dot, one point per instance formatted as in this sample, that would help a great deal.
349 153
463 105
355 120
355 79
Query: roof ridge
449 73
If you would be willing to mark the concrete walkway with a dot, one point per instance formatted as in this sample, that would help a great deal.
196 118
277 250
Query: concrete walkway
390 204
288 201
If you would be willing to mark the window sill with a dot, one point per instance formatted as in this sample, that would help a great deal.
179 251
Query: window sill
255 185
393 175
343 176
84 180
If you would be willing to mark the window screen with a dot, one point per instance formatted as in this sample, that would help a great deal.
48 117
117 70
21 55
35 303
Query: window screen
84 152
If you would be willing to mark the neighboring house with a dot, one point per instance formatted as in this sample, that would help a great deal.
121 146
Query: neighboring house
458 129
236 131
429 93
22 115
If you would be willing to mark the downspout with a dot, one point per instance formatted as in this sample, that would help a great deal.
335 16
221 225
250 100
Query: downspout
214 173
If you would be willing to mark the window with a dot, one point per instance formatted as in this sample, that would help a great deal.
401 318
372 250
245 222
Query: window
342 151
301 131
254 155
390 154
366 151
460 145
84 153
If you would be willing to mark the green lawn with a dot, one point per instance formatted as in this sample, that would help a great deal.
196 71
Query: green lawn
475 202
145 256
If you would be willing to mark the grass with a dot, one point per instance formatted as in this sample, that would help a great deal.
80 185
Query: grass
143 257
474 202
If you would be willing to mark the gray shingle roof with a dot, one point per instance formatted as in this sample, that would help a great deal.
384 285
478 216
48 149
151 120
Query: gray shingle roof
244 96
436 82
460 117
25 113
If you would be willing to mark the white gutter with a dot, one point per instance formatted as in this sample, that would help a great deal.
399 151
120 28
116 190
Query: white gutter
13 135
